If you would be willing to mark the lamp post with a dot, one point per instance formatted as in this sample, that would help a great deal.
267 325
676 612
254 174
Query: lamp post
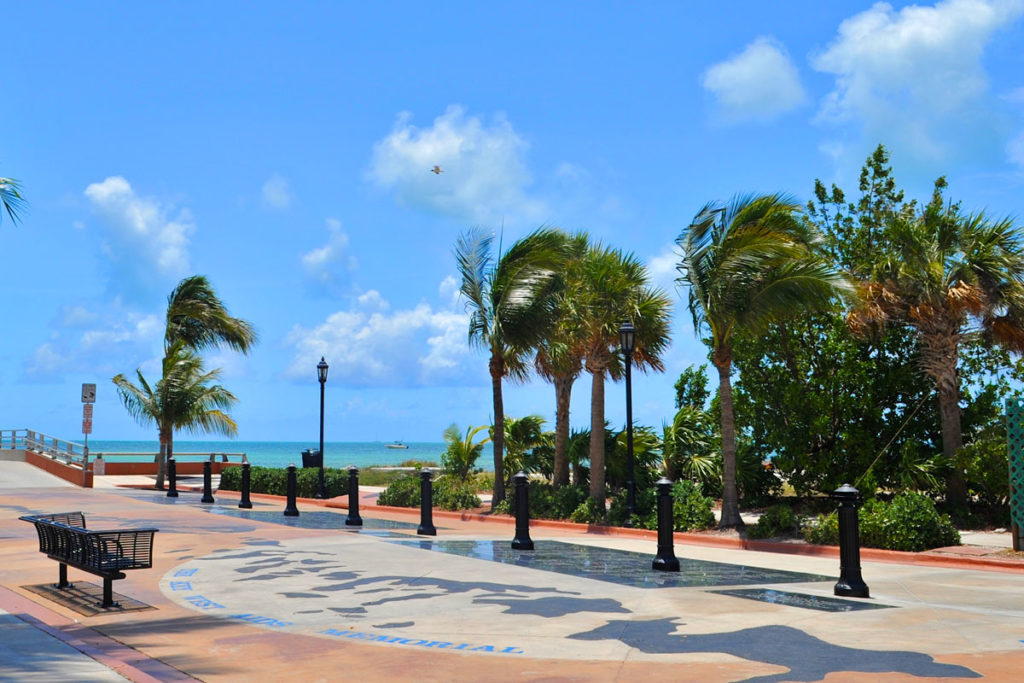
627 342
321 371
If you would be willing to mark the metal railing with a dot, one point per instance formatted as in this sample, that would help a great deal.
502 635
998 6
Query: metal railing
68 452
213 457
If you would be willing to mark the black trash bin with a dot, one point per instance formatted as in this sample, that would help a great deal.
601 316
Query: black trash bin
311 457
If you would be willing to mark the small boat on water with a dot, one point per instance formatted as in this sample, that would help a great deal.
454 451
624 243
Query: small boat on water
395 444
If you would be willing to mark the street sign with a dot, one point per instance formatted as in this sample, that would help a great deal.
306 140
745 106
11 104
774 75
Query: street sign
88 393
87 411
87 426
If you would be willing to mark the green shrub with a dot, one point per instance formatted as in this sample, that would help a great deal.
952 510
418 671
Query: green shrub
403 492
778 520
546 502
449 494
589 511
691 509
910 522
274 480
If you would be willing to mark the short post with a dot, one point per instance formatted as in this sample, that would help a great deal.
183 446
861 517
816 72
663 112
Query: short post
850 583
207 482
522 540
353 518
172 478
290 509
245 503
426 527
665 560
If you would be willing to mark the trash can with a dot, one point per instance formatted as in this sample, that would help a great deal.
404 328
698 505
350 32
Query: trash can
312 457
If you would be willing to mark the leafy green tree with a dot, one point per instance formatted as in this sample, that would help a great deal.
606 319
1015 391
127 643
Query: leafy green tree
10 199
941 273
559 357
692 387
690 447
522 436
754 266
198 318
613 288
509 299
462 452
185 398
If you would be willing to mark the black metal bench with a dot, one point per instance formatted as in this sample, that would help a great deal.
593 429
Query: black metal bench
107 553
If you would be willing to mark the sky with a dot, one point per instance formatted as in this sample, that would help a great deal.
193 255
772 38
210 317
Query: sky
284 150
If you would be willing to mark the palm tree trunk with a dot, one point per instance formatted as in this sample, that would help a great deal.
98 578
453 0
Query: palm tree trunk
161 460
563 394
952 441
730 495
497 367
597 436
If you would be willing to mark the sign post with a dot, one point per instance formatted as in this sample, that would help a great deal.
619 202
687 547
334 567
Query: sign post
88 399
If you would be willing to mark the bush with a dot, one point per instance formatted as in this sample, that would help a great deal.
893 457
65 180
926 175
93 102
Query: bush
449 494
589 511
691 509
910 522
778 520
546 502
274 480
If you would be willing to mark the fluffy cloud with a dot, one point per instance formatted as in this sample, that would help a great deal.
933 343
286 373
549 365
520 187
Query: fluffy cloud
324 263
276 193
142 240
662 270
914 78
91 339
760 83
483 173
370 345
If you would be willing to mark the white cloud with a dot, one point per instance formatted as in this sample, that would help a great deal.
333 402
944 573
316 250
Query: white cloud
914 78
94 339
374 346
1015 150
483 174
661 269
276 193
760 83
142 241
448 291
323 264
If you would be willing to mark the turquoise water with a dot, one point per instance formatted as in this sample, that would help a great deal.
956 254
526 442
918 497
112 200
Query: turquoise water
283 453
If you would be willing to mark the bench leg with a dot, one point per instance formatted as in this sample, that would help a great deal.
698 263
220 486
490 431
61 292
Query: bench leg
62 577
108 594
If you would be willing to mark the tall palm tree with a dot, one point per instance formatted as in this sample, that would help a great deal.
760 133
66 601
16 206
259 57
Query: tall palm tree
197 317
754 265
509 298
613 288
10 199
559 357
184 398
949 277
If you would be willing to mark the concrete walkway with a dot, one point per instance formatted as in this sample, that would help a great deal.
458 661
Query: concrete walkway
252 595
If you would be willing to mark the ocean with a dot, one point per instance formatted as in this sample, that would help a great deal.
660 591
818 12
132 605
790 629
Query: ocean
283 453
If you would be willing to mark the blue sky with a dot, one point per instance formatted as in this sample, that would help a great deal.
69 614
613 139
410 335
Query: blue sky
284 152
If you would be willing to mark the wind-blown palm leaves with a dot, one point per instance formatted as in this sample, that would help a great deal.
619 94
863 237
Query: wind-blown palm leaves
941 271
613 288
509 298
10 199
185 398
197 317
462 452
748 265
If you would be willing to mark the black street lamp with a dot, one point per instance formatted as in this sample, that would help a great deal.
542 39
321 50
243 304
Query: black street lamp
321 371
627 342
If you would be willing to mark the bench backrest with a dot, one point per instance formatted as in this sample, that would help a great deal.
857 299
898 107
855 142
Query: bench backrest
103 551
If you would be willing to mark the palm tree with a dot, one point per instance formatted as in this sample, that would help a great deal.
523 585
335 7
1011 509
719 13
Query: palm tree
462 452
613 288
509 298
559 357
10 199
940 272
757 264
522 435
183 399
197 317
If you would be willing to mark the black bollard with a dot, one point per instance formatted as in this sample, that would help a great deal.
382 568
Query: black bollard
522 540
665 560
207 482
850 583
289 509
426 527
245 503
353 518
172 478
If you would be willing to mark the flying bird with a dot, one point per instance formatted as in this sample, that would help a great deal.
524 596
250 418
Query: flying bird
436 170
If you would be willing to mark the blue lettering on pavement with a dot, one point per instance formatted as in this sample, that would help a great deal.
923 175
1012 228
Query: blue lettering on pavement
436 644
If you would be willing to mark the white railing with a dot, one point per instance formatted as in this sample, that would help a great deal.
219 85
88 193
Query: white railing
213 457
68 452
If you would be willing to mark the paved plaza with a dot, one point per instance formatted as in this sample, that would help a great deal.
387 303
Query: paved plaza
253 595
